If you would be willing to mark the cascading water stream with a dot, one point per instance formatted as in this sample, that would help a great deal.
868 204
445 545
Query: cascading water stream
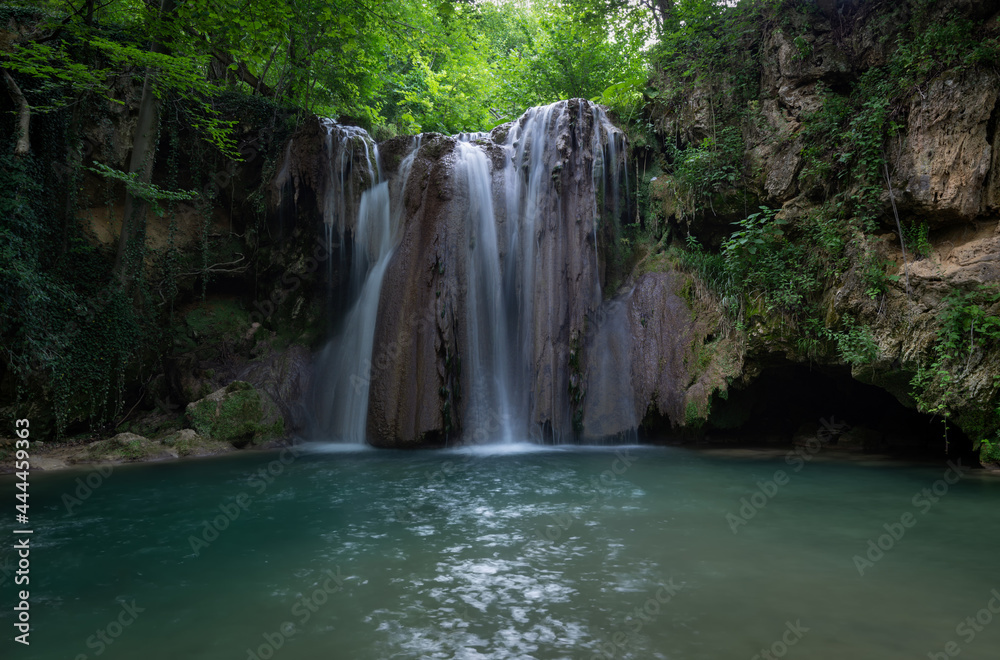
344 366
340 143
525 146
510 283
610 397
489 401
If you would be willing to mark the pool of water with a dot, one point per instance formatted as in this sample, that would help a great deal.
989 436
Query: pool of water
525 553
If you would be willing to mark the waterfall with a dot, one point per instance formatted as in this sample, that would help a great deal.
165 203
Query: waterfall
534 282
526 155
344 367
342 145
487 318
483 319
518 304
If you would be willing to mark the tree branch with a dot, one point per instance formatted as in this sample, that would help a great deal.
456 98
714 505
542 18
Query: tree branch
244 73
23 145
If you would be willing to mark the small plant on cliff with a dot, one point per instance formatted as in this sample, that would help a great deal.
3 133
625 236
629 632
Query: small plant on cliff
970 322
707 169
989 451
855 343
874 273
917 237
150 192
764 261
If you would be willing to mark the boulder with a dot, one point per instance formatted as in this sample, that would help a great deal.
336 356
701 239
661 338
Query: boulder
237 414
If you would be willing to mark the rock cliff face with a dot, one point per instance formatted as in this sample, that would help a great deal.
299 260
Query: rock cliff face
935 130
641 356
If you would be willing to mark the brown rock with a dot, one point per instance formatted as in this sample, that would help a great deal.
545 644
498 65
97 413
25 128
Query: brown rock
946 154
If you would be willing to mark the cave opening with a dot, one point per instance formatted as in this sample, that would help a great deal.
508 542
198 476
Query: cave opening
790 403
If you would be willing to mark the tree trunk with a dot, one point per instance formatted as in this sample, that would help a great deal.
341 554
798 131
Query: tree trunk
665 9
130 243
23 145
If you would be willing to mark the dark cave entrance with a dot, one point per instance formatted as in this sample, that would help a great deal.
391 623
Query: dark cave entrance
789 402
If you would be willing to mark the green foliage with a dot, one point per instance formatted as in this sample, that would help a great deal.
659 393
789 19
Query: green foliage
625 99
149 192
693 418
874 273
763 260
971 319
712 268
855 343
989 451
570 48
845 139
763 271
126 449
710 64
708 56
58 316
931 46
917 237
711 167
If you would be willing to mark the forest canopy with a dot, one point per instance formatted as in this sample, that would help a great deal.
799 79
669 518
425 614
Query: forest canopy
394 66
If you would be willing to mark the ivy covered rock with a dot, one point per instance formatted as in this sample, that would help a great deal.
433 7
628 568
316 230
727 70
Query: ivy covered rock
237 414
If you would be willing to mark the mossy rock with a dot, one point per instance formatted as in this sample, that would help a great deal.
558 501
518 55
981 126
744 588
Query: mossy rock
237 414
124 447
188 442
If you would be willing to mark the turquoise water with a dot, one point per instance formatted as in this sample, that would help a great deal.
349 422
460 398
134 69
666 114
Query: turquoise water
523 554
